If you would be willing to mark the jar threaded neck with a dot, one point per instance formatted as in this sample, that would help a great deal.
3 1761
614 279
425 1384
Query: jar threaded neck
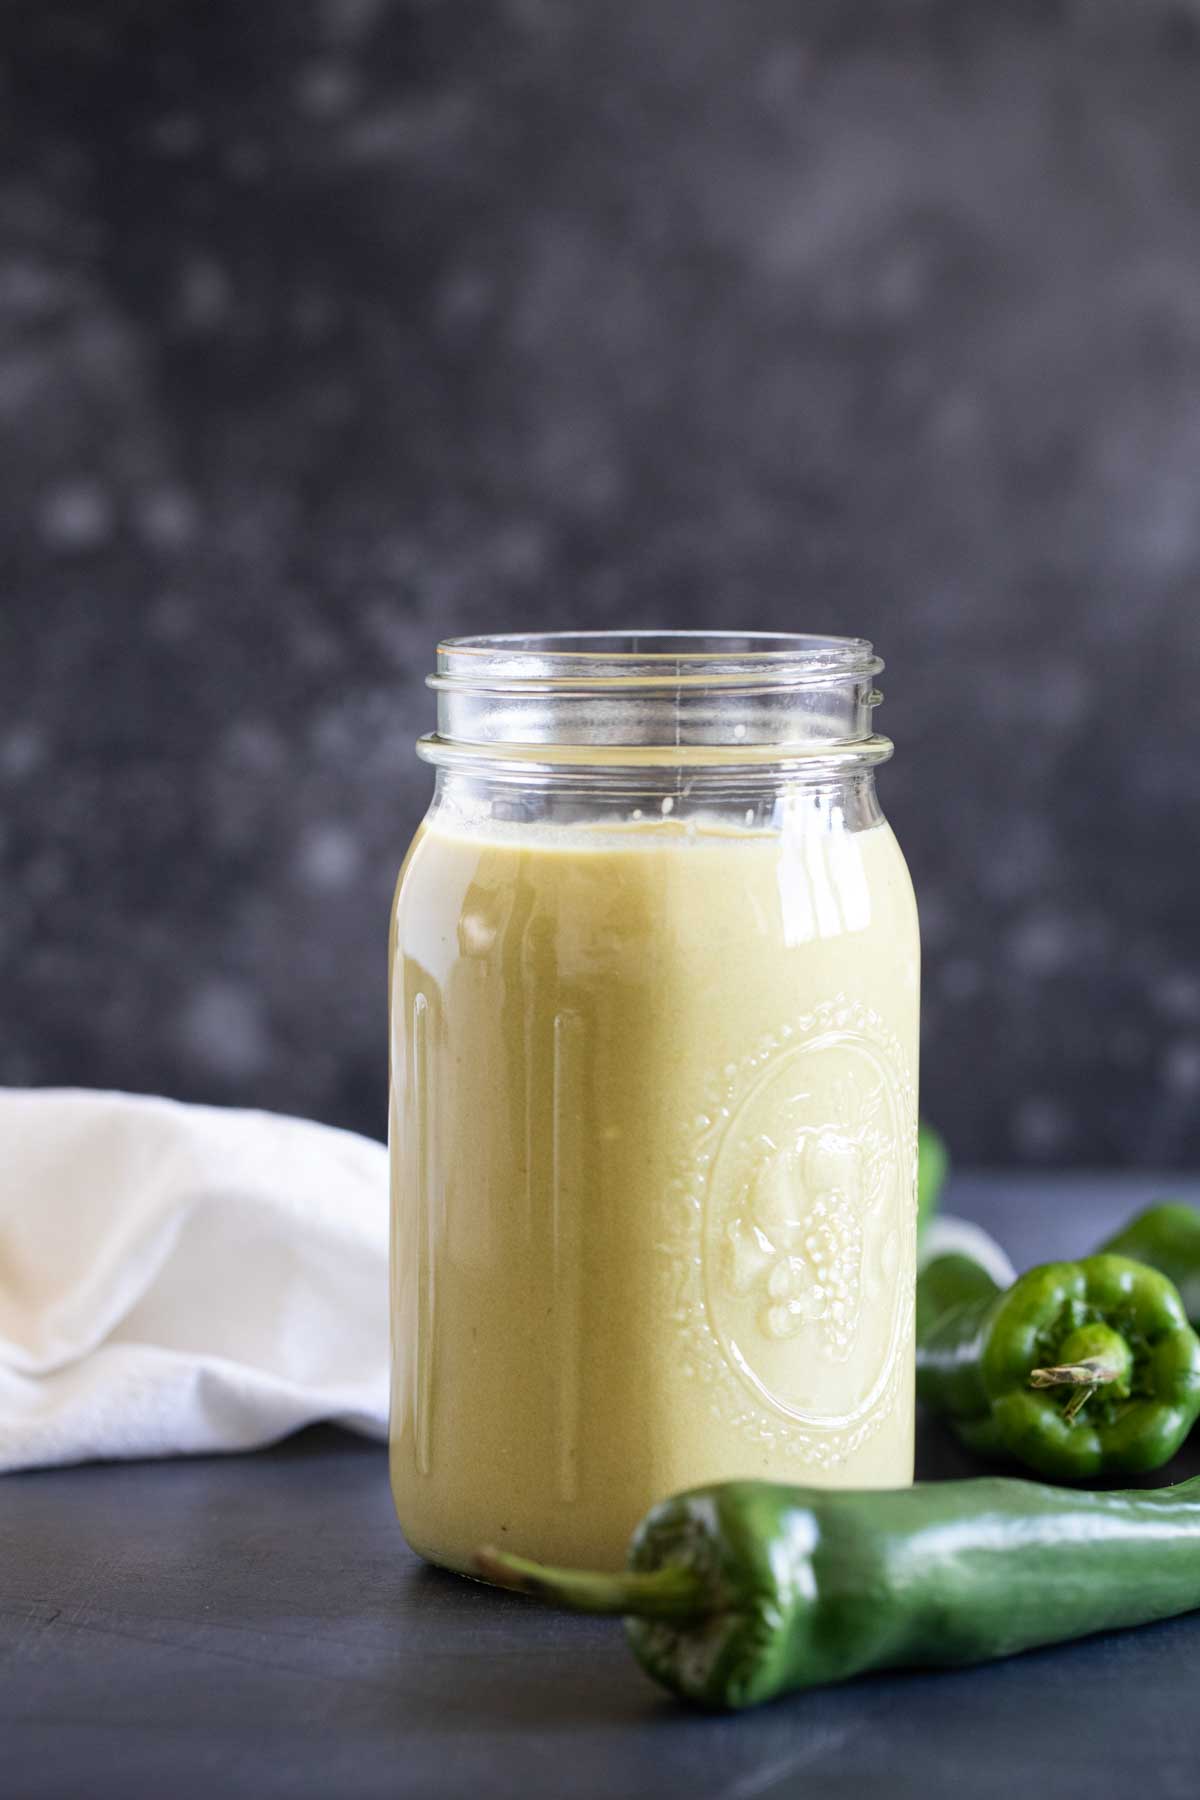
639 699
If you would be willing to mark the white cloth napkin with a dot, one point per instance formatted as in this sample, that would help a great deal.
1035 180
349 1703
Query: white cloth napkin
183 1278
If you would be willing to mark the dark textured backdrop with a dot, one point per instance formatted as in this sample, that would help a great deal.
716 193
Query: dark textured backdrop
326 328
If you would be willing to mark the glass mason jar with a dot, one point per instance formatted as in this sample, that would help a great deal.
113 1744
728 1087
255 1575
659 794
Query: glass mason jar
654 996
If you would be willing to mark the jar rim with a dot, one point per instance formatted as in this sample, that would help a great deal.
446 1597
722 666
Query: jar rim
705 697
651 658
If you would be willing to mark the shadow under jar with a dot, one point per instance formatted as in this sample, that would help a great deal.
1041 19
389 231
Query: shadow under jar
654 998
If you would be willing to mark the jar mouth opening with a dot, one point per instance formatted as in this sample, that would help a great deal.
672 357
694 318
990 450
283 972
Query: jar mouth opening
710 695
651 659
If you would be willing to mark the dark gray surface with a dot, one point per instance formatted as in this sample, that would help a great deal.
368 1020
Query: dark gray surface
327 326
255 1626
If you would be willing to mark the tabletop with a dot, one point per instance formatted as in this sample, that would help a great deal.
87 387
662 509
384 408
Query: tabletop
255 1625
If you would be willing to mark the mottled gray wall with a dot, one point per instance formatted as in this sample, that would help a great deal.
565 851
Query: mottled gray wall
328 328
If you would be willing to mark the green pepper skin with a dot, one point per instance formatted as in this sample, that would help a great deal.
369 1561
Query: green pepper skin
978 1345
1167 1237
822 1585
778 1589
933 1165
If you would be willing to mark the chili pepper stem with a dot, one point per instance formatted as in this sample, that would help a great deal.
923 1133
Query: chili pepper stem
667 1593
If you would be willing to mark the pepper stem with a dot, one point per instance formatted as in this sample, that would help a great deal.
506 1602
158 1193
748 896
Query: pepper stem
1086 1377
672 1592
1078 1401
1091 1372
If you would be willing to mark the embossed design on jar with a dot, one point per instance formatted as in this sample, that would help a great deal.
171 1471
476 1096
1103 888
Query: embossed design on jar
789 1277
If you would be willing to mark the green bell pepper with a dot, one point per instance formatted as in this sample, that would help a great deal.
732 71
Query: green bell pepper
1167 1236
740 1592
1078 1370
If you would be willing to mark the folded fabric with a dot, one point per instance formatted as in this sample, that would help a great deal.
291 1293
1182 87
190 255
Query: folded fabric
178 1279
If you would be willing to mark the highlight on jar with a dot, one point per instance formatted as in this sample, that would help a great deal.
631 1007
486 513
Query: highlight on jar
654 990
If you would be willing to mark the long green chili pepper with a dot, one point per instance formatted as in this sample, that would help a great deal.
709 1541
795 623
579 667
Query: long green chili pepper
1167 1236
1078 1370
740 1592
